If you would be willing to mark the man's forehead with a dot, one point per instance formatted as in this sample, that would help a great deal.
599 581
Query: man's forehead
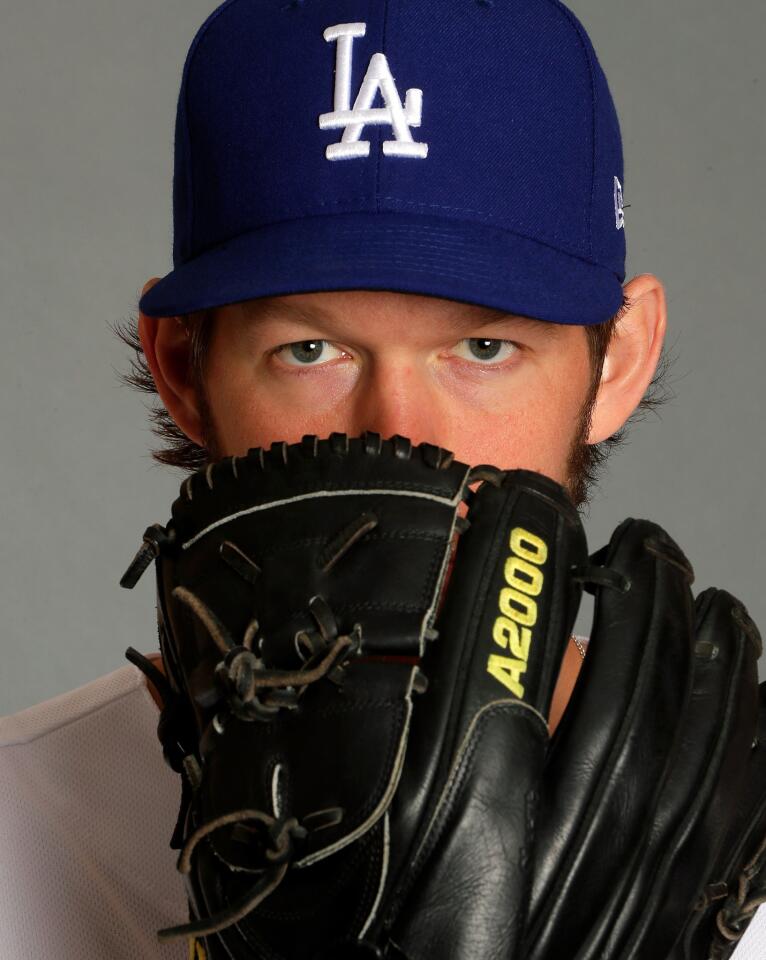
324 308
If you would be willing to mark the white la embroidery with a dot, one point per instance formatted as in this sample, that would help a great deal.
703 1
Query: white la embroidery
619 212
378 77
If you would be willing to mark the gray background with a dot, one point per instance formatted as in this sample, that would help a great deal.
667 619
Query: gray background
87 104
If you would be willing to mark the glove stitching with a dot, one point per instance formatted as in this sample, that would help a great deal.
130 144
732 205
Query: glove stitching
363 914
405 534
392 775
342 874
394 739
375 796
426 595
381 605
359 706
197 484
552 903
705 785
460 768
444 491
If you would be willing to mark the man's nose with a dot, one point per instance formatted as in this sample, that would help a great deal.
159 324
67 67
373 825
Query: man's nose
397 398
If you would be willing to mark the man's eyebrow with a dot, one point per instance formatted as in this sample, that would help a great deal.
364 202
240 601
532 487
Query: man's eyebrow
264 307
268 307
545 328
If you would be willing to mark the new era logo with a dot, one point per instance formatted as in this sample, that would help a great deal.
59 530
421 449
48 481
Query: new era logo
619 206
400 117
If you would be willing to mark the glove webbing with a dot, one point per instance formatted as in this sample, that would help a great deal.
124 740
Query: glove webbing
244 678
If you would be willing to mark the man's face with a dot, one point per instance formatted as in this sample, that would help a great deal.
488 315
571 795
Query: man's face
491 387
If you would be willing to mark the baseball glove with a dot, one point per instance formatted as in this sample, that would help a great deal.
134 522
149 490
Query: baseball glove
360 727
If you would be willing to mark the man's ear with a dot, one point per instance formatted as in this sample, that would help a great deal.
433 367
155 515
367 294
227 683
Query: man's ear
167 348
631 358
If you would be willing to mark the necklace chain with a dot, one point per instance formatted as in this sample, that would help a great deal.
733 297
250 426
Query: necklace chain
580 645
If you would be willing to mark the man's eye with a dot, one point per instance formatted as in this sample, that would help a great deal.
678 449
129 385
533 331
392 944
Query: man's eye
306 353
485 350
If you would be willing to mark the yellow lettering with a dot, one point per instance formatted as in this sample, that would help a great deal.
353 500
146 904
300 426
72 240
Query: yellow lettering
539 552
508 672
504 632
525 613
532 581
518 611
520 648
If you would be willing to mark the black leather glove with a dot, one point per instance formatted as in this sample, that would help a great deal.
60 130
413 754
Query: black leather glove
362 739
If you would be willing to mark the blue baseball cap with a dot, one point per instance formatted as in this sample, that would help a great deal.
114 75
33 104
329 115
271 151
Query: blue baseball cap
464 149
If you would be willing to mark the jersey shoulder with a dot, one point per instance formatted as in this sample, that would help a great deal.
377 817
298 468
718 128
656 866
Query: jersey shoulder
49 717
87 807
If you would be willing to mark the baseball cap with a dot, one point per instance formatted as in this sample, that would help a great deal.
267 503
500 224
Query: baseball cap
464 149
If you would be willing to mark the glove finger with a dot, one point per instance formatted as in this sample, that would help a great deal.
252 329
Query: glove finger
613 744
479 736
736 883
698 798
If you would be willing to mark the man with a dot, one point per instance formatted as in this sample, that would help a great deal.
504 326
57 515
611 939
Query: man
488 253
386 220
415 366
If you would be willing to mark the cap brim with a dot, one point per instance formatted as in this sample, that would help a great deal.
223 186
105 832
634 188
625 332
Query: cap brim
468 262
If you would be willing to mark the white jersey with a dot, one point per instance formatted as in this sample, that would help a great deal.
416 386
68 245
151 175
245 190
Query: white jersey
87 809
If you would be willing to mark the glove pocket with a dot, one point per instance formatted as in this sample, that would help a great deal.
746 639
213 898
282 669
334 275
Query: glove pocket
340 751
296 805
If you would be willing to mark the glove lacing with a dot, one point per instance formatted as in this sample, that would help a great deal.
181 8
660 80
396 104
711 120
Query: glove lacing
256 693
281 834
738 910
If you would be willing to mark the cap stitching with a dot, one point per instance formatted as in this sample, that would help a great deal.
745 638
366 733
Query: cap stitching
515 233
588 249
482 213
198 37
579 29
548 239
432 265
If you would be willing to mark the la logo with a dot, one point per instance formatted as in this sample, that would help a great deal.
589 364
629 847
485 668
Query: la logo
378 77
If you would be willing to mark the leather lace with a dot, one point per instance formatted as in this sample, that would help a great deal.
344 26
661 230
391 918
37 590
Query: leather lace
253 693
